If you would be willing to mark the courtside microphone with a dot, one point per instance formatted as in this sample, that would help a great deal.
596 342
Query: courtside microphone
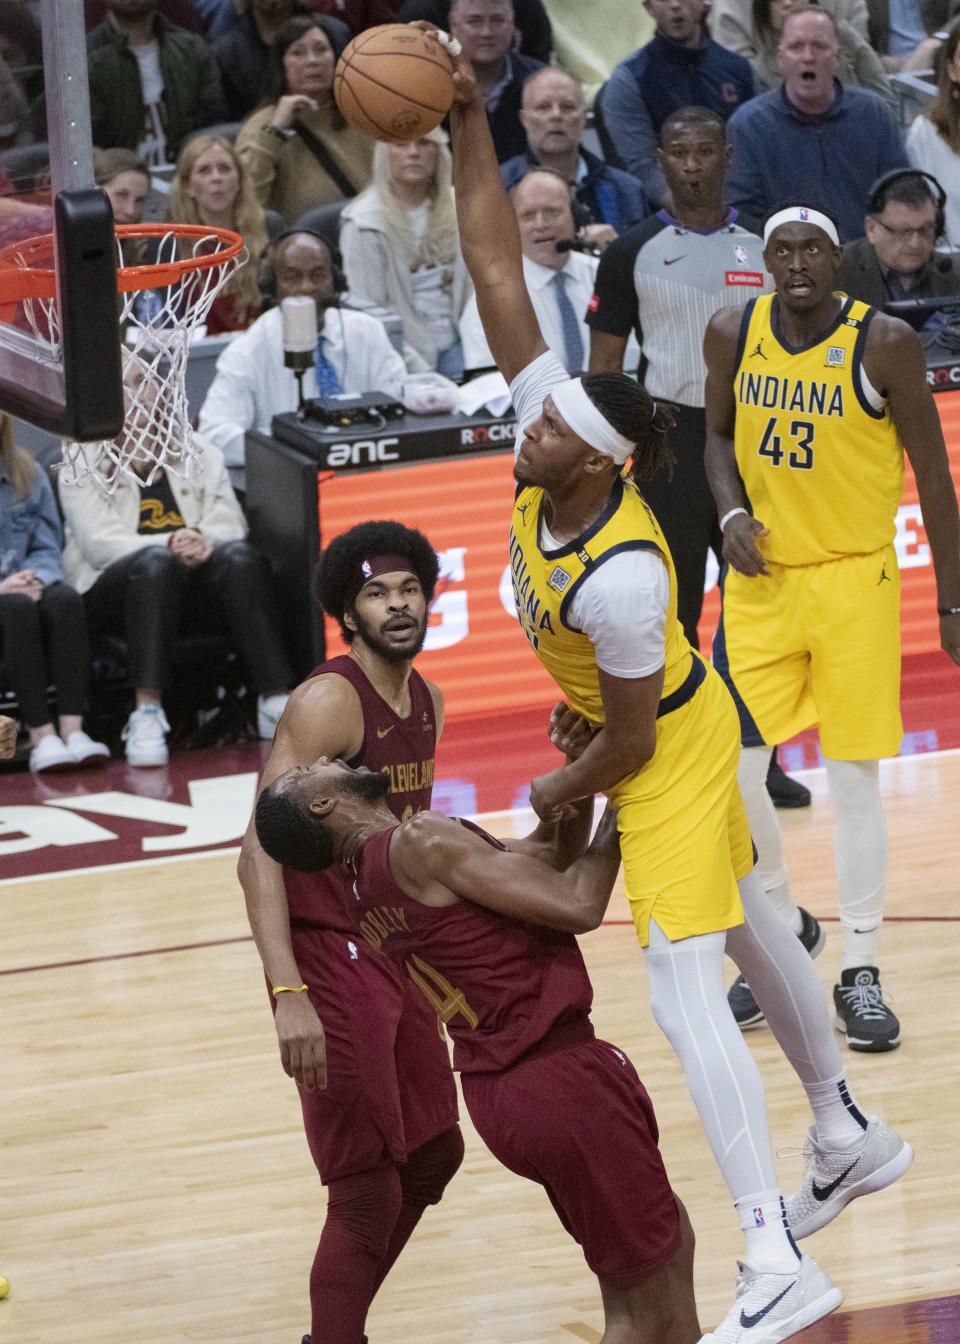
575 245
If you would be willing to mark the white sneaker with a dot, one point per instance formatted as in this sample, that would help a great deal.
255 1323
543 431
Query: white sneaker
772 1307
269 710
87 752
833 1179
51 754
146 736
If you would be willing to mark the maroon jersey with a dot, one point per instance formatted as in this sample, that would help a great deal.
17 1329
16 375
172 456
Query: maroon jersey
504 988
401 748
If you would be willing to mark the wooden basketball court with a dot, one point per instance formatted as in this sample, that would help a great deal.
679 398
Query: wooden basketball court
155 1185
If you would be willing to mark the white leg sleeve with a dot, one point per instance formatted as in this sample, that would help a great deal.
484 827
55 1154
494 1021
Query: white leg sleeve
781 974
765 829
861 843
690 1006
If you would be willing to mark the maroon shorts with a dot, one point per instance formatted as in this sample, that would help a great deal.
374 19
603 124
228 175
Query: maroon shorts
389 1086
579 1122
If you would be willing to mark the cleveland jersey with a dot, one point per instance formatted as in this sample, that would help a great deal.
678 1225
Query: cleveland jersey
504 988
546 582
818 453
403 749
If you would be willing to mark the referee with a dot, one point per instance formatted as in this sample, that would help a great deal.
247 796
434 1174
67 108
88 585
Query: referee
664 279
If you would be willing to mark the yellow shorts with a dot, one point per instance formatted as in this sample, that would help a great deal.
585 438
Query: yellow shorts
684 835
816 644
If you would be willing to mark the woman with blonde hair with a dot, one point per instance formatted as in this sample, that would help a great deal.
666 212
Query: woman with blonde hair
401 249
43 623
211 187
933 140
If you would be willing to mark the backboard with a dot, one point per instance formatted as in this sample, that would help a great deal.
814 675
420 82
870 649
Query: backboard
65 375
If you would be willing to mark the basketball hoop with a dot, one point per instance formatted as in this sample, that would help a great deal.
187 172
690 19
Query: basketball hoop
161 304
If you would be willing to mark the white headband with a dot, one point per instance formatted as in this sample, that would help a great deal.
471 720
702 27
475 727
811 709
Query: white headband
586 421
800 214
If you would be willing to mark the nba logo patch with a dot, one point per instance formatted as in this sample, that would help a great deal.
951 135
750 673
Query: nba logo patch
804 214
758 1220
366 569
835 356
559 579
741 255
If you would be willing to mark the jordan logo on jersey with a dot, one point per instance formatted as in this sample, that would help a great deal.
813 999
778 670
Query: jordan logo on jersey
758 351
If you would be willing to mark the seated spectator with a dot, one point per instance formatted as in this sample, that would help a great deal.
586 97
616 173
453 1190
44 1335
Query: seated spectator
560 283
297 147
401 249
813 138
21 50
896 258
126 180
151 83
681 67
485 29
43 627
243 50
211 187
531 22
908 33
554 117
858 64
933 140
161 548
252 385
733 25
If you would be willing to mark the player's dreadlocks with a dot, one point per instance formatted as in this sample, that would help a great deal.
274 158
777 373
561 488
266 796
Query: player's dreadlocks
634 414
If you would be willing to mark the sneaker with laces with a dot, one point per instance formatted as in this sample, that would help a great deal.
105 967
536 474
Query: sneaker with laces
146 736
87 752
833 1179
861 1013
746 1011
772 1307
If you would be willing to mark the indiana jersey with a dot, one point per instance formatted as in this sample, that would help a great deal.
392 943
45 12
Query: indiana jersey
500 985
546 582
817 450
403 749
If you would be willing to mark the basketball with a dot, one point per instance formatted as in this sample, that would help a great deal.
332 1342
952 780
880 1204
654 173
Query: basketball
394 82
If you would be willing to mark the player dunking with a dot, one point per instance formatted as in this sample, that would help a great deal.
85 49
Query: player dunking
805 458
596 595
378 1098
464 916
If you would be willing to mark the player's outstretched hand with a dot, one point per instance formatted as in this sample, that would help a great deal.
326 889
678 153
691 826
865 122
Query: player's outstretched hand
569 731
464 80
950 637
740 545
303 1049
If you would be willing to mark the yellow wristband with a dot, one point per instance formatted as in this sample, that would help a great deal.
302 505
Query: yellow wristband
289 989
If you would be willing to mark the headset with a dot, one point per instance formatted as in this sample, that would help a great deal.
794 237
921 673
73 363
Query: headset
336 265
876 199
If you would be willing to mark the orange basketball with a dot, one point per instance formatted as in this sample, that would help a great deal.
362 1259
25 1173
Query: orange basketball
394 82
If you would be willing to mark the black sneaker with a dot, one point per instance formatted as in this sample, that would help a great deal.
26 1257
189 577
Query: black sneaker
746 1011
862 1015
784 791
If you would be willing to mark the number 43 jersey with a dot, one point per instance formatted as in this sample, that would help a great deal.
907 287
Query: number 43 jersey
505 989
816 447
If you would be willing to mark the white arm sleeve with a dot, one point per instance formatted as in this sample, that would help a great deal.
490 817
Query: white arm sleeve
622 608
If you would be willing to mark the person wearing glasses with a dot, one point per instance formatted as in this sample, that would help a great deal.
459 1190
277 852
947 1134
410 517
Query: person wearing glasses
896 260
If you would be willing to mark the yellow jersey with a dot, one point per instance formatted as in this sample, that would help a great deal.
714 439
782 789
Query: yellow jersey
818 453
545 583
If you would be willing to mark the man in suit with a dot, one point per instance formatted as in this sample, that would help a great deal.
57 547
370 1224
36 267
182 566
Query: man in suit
896 258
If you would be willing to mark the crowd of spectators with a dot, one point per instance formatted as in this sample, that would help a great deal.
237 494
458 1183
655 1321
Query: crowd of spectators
716 115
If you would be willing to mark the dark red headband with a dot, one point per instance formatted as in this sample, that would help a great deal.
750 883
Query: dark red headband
372 567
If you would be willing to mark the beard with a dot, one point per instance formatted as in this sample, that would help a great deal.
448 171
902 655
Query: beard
372 788
389 652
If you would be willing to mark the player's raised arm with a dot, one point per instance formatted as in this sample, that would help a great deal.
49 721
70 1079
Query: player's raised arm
740 530
489 237
894 362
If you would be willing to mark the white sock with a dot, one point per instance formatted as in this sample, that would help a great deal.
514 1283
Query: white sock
837 1119
770 1247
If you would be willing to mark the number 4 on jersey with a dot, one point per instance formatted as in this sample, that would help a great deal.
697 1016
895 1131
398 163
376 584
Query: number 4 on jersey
801 458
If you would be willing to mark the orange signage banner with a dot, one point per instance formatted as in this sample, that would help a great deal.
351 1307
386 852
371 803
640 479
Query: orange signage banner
475 650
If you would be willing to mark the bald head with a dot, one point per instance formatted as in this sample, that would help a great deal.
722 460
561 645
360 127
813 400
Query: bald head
554 115
303 266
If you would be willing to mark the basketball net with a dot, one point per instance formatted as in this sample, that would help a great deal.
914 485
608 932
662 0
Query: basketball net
162 305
